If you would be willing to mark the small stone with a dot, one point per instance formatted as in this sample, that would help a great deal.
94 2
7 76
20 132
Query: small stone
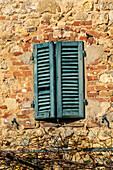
111 16
32 29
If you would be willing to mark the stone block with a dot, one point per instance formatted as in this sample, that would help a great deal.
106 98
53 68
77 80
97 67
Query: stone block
11 104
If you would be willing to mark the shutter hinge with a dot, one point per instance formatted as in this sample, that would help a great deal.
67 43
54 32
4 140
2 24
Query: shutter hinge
33 105
84 53
32 57
85 102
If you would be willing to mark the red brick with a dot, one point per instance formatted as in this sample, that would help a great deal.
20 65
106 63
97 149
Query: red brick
18 101
15 17
91 125
103 99
27 38
93 33
17 53
90 40
110 87
67 28
23 73
77 30
58 8
105 93
111 98
102 67
92 78
92 94
46 22
18 63
35 40
17 91
2 17
7 115
46 36
86 23
91 83
26 111
83 38
7 75
99 88
90 88
72 36
3 107
93 71
50 36
77 23
48 30
27 45
24 67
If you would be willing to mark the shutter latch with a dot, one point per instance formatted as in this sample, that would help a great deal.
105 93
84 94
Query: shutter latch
33 105
84 53
32 57
85 102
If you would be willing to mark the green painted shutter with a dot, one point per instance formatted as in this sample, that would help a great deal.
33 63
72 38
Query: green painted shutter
44 96
70 79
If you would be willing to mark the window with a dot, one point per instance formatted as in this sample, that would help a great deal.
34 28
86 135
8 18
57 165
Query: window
59 80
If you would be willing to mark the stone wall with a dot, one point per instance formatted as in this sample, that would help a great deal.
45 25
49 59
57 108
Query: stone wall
24 23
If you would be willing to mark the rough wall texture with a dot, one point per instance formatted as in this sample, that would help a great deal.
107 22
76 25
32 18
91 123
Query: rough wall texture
25 22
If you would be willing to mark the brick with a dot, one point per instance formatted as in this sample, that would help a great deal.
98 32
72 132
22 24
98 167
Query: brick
23 73
46 36
99 88
7 115
35 40
7 75
92 94
17 53
58 8
93 33
90 40
32 29
27 45
15 17
78 23
83 38
67 28
110 87
105 93
91 83
3 107
27 38
102 67
48 30
90 88
72 36
92 78
93 71
17 91
111 109
111 99
24 67
103 99
74 124
18 63
19 101
45 22
91 125
51 37
104 34
2 17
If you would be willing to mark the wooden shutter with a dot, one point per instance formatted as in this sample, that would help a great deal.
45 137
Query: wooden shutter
44 98
70 79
